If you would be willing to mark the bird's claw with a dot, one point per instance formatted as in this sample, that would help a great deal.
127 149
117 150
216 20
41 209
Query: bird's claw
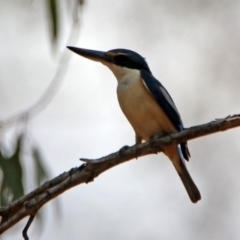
152 139
122 150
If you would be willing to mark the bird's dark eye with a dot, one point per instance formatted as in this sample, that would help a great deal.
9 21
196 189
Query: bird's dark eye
121 58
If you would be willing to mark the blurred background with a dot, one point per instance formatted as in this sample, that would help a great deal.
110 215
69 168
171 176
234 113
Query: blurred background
192 47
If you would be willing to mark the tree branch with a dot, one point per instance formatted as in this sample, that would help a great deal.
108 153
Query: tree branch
29 204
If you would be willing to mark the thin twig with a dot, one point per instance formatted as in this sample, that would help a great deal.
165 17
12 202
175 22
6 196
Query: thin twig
29 222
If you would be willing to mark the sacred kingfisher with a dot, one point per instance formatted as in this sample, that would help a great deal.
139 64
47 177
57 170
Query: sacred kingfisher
146 104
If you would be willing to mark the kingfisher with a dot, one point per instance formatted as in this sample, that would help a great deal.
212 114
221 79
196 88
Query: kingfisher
146 104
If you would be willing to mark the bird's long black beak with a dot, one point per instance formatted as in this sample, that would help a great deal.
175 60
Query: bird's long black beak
92 54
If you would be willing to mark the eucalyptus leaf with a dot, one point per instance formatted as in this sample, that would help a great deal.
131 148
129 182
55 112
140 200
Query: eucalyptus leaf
41 172
12 186
53 10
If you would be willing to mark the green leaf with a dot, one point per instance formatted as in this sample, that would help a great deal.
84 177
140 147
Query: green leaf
41 172
54 19
12 186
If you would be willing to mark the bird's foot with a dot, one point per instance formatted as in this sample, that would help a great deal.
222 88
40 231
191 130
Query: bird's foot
122 150
154 137
161 134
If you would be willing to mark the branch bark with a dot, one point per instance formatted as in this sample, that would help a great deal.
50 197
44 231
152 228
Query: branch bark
29 204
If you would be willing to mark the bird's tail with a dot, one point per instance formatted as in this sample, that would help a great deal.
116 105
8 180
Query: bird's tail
179 164
188 183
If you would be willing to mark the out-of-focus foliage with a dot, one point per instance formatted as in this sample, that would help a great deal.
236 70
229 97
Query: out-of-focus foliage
53 18
41 172
55 15
12 186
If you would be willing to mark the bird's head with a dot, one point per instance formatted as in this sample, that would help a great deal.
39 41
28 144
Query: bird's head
117 57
